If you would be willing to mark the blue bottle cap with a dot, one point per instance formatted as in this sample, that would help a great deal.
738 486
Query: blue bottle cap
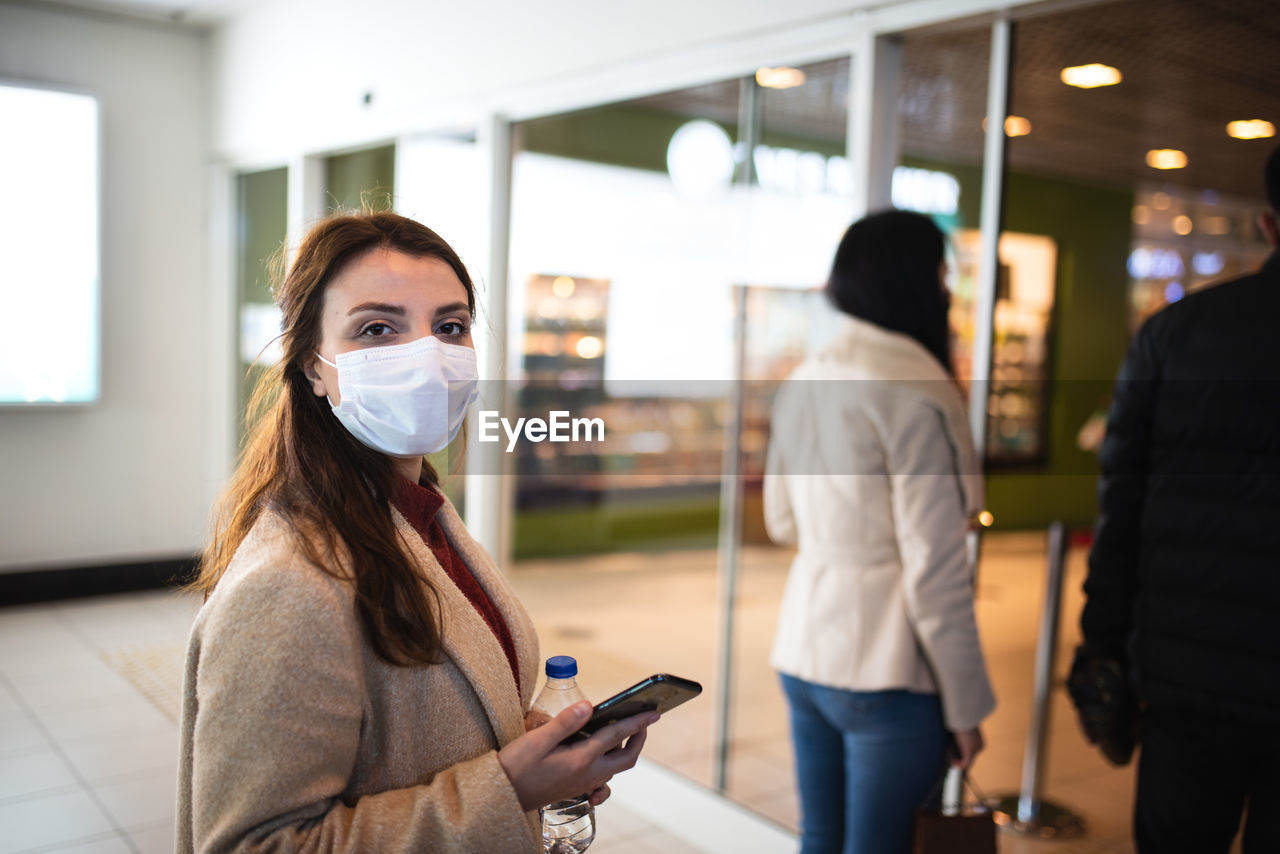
561 667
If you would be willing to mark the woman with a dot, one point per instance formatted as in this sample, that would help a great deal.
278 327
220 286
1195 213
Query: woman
358 676
872 471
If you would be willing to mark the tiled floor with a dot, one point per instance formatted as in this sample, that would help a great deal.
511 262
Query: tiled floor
626 616
87 761
88 702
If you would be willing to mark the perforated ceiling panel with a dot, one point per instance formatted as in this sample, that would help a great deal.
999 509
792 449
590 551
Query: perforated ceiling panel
943 94
1189 67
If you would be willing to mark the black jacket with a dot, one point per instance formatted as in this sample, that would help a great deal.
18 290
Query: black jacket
1184 575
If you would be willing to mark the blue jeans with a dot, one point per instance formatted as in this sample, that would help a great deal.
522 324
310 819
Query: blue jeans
865 760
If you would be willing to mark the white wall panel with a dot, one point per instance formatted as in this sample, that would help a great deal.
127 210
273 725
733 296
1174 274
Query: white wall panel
130 477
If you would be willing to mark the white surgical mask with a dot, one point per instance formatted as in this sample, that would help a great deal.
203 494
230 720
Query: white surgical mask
408 399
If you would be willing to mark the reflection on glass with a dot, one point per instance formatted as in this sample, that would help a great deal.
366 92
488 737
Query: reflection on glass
1185 242
798 212
627 275
942 108
1017 404
1143 197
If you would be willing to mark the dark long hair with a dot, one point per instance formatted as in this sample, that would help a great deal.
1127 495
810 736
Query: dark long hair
886 272
301 463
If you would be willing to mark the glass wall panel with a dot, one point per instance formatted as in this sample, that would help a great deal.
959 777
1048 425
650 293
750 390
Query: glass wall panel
261 217
436 181
798 210
362 178
626 239
620 277
942 104
1084 174
634 228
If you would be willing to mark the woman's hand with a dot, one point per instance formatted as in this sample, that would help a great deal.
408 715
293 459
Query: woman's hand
543 772
969 744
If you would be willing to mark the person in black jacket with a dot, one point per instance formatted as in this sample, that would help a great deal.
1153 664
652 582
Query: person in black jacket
1184 576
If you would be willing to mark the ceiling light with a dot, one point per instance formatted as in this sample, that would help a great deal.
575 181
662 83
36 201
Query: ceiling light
1166 158
1182 224
1251 129
780 78
1013 126
1016 126
1091 76
1160 201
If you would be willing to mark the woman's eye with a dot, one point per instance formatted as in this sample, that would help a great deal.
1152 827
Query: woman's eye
374 330
451 329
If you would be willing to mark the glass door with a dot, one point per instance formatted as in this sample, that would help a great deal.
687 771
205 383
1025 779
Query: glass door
361 178
798 210
626 240
261 219
654 242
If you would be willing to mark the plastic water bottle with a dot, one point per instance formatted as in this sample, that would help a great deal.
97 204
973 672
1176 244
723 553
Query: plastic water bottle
569 826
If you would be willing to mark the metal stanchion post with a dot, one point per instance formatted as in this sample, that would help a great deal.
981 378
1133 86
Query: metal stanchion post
1026 812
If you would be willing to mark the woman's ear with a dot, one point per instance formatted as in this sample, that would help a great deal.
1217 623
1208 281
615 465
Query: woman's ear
311 372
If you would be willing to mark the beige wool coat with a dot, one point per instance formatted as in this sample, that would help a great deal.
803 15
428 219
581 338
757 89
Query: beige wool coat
296 737
872 472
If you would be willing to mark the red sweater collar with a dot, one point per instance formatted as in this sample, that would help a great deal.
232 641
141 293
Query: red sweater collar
419 504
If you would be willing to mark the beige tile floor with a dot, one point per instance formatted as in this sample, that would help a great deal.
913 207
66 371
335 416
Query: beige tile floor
625 616
88 699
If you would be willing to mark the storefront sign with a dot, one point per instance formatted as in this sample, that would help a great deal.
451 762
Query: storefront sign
701 159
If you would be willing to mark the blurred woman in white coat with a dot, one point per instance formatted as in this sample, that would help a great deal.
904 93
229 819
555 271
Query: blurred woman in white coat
872 472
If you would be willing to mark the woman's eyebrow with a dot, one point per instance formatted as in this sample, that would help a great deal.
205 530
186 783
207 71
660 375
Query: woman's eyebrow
381 307
452 307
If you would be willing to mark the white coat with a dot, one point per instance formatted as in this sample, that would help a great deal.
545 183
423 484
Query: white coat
871 471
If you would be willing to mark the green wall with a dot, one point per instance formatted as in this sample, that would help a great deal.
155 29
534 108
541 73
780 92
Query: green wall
361 179
619 522
262 216
635 137
1092 228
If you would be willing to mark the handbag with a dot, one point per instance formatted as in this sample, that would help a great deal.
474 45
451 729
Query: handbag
961 829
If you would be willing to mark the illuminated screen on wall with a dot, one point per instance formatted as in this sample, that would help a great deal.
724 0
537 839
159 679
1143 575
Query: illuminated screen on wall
49 267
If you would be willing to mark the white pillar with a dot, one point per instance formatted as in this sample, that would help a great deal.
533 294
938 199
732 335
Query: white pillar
222 365
306 189
489 481
873 139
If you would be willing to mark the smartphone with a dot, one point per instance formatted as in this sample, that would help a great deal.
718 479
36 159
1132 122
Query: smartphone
661 692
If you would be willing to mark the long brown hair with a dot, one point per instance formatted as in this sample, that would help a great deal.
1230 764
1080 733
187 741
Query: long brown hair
300 463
